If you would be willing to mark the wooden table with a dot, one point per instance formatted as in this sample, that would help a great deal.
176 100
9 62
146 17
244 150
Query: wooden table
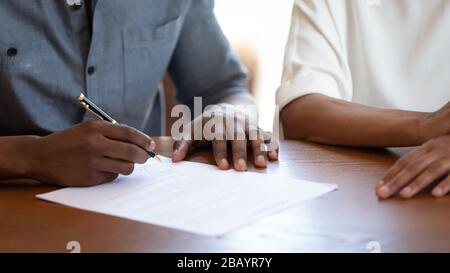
343 221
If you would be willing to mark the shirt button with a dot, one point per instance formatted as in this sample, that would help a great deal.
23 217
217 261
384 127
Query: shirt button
91 70
76 6
11 52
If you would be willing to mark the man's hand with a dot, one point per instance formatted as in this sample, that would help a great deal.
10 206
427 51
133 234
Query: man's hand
91 153
414 172
236 138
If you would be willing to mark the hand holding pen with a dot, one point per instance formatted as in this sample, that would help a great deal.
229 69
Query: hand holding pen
87 154
91 107
90 153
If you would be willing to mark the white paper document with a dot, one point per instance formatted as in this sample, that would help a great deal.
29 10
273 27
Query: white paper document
192 197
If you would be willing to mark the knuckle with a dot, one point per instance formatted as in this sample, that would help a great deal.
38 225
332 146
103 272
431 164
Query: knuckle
259 149
426 176
256 142
221 154
427 146
219 115
396 183
401 163
391 173
411 168
420 182
93 125
93 142
240 154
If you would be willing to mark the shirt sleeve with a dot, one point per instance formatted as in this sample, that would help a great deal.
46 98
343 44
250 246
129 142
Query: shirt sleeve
204 64
315 57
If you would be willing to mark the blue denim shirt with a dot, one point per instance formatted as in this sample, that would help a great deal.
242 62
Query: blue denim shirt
47 58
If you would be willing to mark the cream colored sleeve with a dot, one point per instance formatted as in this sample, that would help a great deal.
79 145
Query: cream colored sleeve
315 57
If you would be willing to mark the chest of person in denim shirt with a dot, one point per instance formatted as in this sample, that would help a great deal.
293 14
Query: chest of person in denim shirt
49 55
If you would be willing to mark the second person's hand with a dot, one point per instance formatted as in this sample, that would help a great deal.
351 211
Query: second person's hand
419 169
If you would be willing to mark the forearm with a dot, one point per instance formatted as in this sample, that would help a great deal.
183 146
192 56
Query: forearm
326 120
14 161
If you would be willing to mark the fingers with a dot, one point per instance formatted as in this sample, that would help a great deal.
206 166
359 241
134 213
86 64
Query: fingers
442 188
115 166
124 151
108 177
411 185
239 150
432 174
258 148
239 147
410 169
181 149
400 165
239 144
259 154
273 153
221 154
127 134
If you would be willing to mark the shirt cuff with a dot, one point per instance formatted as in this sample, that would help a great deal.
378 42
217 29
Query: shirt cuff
294 89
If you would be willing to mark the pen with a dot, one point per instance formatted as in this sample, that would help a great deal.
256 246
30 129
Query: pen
94 109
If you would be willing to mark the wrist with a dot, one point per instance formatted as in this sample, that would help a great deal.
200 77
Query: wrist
423 129
18 160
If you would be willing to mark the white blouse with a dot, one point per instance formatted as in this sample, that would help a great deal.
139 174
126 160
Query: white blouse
382 53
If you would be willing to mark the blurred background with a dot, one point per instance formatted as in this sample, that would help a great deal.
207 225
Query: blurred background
258 30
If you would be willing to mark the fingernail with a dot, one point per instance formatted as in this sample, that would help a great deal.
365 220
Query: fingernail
406 192
384 191
224 163
152 145
242 164
437 192
260 160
